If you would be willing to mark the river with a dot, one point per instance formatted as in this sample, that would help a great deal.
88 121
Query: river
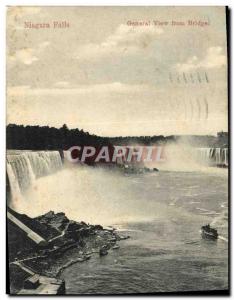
161 211
165 252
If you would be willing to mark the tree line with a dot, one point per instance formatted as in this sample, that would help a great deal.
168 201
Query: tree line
50 138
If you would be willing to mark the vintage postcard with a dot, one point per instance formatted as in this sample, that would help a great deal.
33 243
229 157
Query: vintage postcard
117 150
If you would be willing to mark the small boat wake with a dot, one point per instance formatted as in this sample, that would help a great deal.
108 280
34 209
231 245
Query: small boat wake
210 233
220 237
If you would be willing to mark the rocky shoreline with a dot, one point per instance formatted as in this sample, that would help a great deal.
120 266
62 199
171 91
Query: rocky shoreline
64 242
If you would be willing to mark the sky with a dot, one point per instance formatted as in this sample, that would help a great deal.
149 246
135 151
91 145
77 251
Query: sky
116 71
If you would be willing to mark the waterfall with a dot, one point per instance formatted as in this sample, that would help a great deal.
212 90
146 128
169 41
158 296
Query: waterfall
30 170
226 156
15 189
213 156
24 167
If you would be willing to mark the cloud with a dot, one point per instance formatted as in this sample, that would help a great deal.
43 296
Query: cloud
27 55
214 58
126 39
63 88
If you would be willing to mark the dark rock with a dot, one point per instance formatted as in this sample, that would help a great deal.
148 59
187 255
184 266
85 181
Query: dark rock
103 252
106 247
97 227
74 226
58 221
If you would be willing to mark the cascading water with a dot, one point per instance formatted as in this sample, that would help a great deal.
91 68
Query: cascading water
15 189
213 156
31 174
24 167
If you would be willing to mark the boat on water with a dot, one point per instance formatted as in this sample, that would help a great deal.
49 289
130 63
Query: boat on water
209 232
